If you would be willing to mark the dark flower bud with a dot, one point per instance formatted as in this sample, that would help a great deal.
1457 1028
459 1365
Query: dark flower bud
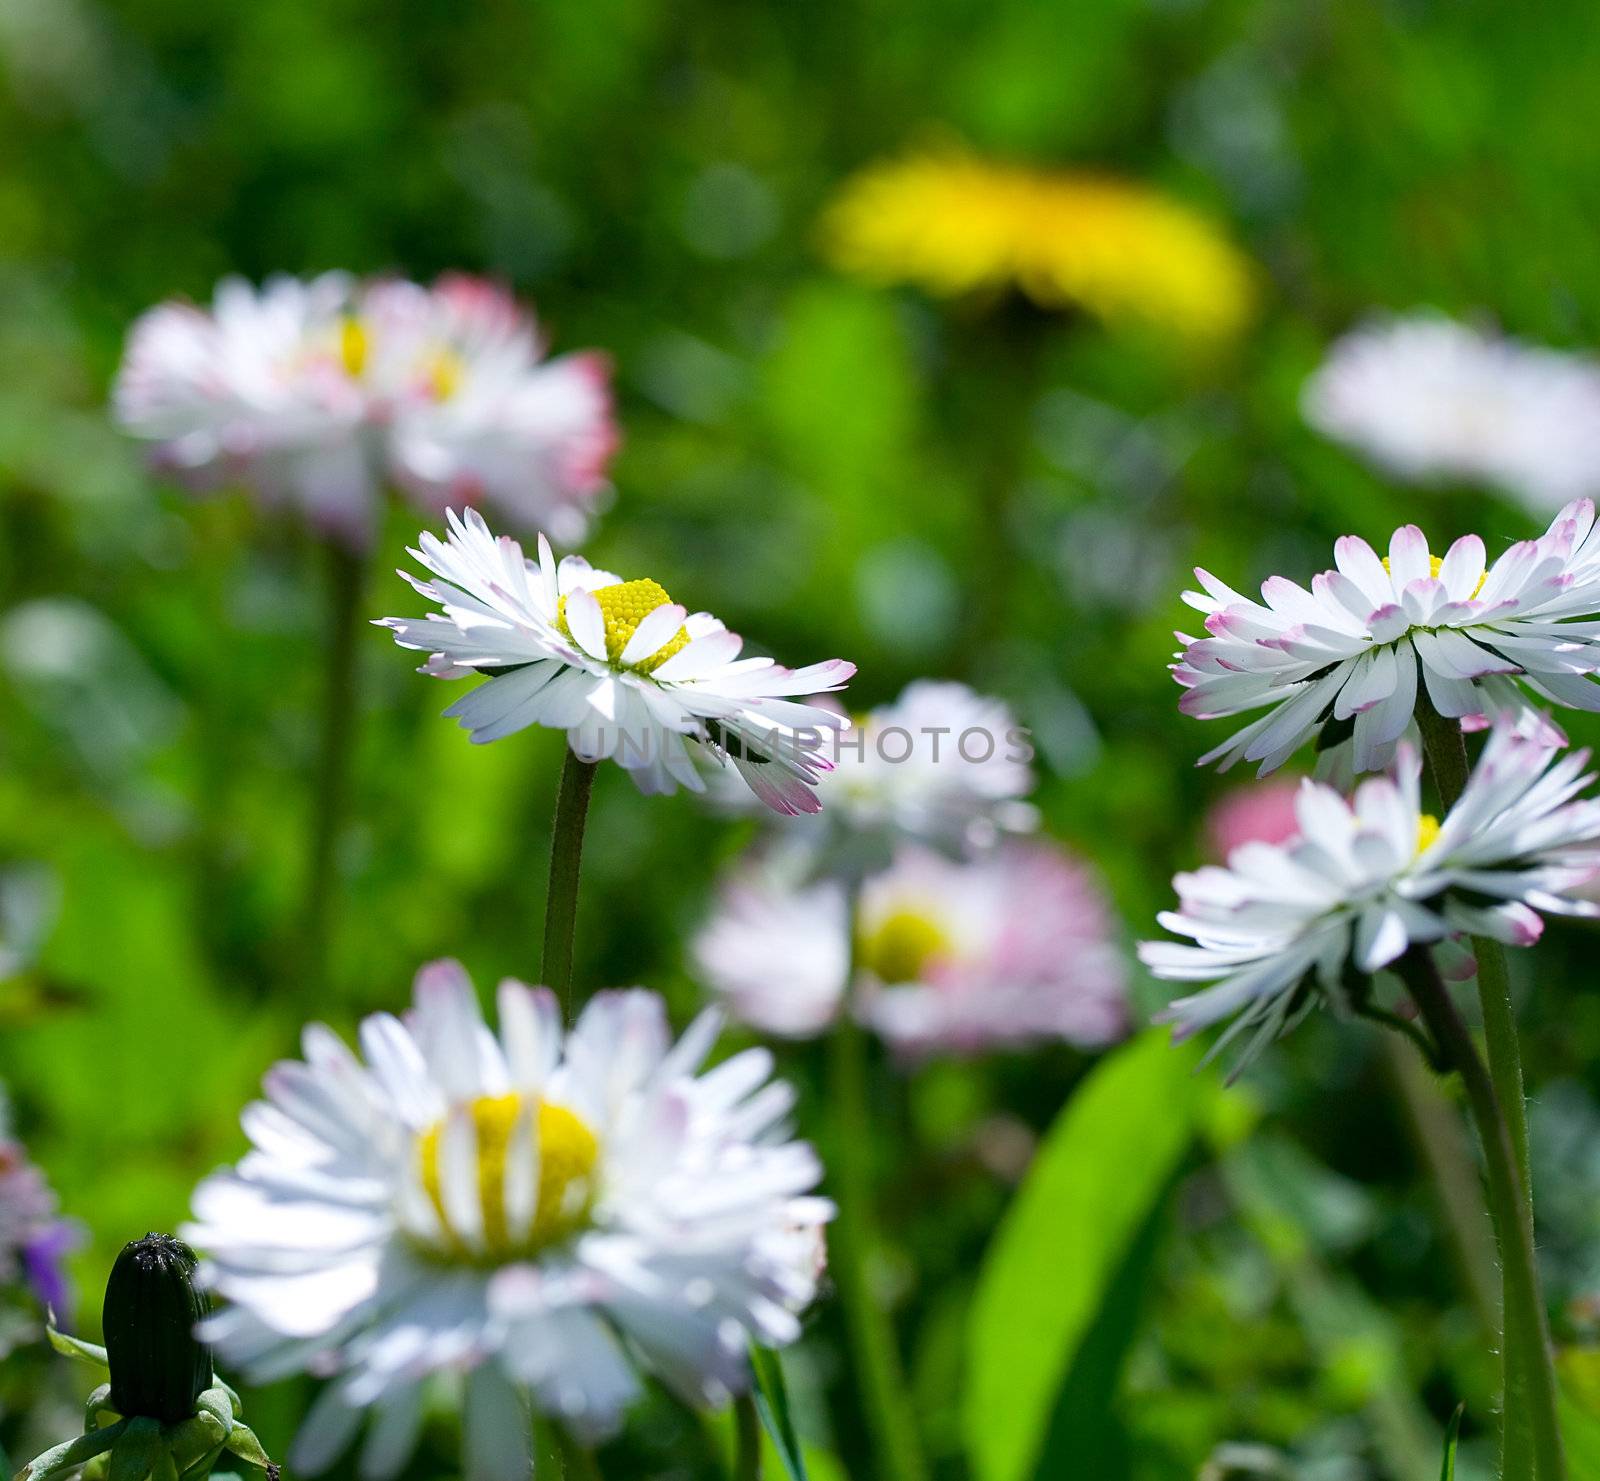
158 1366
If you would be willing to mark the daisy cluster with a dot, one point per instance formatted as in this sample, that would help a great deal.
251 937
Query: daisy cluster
316 394
533 1216
913 903
1354 883
528 1216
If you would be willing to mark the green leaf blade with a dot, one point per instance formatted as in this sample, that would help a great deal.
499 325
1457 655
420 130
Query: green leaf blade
772 1404
1098 1175
1452 1437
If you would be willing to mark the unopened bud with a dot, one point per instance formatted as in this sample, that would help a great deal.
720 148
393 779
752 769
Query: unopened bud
159 1368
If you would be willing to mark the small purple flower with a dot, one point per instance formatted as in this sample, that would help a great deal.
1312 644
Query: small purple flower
44 1261
34 1239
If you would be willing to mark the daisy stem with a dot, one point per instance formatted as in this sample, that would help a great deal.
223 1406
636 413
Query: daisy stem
1446 750
1529 1405
747 1432
346 577
577 1462
1442 1148
549 1448
566 857
853 1243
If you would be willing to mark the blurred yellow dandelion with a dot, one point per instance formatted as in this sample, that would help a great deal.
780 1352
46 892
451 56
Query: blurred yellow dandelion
953 223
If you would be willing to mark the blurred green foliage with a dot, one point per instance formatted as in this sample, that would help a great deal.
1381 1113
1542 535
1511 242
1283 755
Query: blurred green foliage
833 470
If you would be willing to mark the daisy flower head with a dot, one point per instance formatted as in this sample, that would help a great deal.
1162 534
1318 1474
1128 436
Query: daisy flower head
625 671
942 764
954 223
1354 654
776 948
1285 926
317 393
1011 948
530 1215
1429 399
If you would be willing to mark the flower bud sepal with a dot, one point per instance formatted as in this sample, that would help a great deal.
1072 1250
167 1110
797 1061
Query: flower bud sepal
131 1448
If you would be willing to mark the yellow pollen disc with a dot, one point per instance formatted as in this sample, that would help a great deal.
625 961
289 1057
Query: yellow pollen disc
444 374
624 607
1435 565
567 1155
353 346
901 945
1427 831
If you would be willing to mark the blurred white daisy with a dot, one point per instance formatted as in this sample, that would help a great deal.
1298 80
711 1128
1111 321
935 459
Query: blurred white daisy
1430 399
626 672
1012 947
1284 926
317 393
531 1217
776 948
942 763
1349 651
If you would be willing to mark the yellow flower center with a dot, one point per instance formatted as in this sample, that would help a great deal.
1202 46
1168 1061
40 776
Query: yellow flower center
567 1154
624 607
444 374
1435 565
353 346
1427 831
900 946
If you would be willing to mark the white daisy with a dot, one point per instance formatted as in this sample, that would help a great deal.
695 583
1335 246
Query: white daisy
1430 399
1012 947
626 672
1284 925
1348 652
531 1217
776 949
942 763
317 393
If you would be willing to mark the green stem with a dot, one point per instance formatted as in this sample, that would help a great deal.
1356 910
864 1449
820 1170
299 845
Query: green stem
1446 750
1500 1037
853 1241
566 858
346 576
1531 1403
1402 1025
747 1436
549 1448
1442 1148
994 344
578 1461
